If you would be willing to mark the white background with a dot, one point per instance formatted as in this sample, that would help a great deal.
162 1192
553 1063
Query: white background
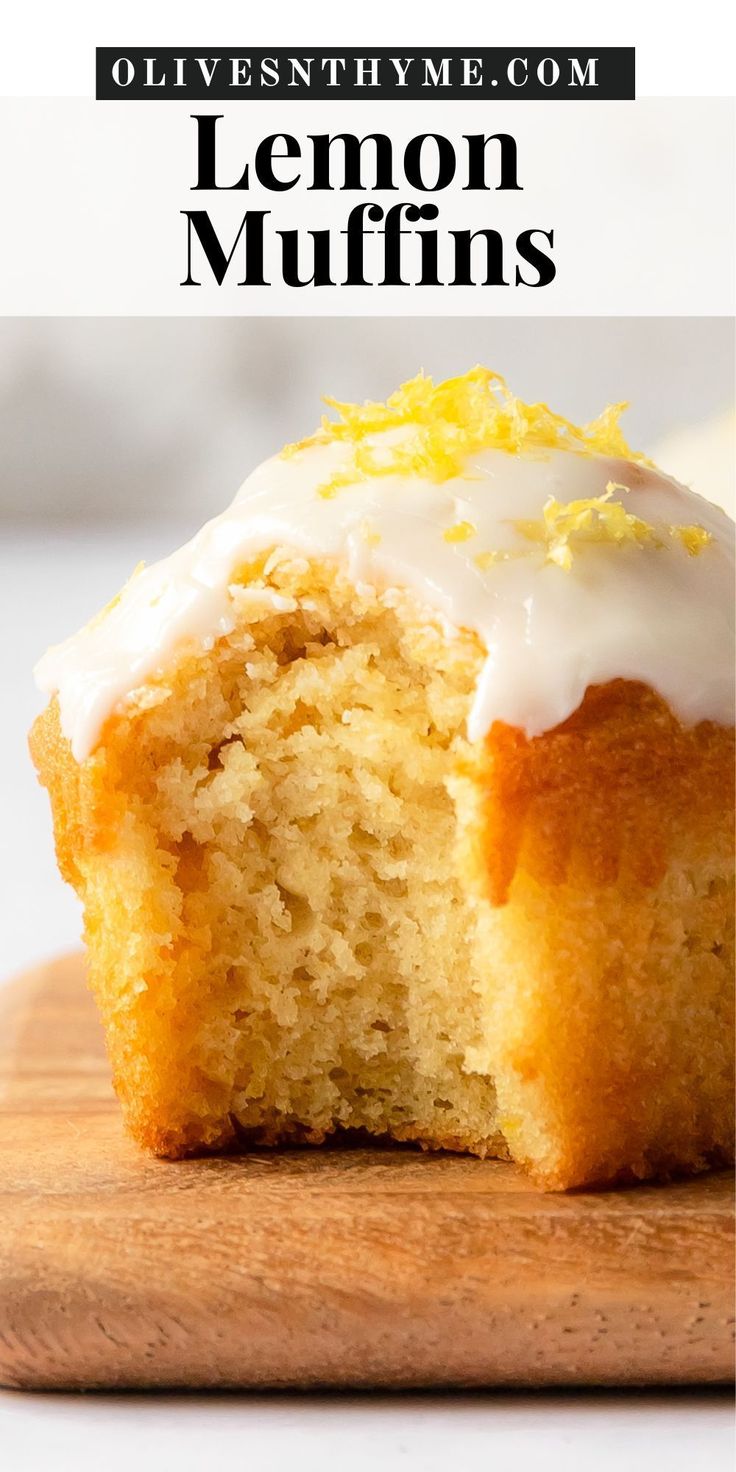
119 438
640 196
47 50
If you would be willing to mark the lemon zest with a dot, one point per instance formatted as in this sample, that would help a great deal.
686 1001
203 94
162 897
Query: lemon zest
369 534
460 531
108 608
445 424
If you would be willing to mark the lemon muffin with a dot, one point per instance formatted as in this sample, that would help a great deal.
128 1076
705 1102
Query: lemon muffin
398 800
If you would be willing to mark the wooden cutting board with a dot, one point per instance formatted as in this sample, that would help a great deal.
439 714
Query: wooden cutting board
325 1267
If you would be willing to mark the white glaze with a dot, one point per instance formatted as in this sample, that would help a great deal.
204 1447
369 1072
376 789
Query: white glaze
655 614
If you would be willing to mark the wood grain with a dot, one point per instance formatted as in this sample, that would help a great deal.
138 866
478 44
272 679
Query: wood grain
380 1267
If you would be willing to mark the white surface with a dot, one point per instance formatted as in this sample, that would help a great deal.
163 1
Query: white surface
563 1433
705 456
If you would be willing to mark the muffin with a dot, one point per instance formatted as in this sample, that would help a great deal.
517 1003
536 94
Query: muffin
399 800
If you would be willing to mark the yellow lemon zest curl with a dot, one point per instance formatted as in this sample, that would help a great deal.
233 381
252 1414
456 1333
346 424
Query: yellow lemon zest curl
564 525
445 424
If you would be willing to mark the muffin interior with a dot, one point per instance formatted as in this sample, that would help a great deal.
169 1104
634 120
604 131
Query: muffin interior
322 967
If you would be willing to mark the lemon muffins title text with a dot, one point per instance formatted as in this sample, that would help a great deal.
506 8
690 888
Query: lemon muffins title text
394 242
